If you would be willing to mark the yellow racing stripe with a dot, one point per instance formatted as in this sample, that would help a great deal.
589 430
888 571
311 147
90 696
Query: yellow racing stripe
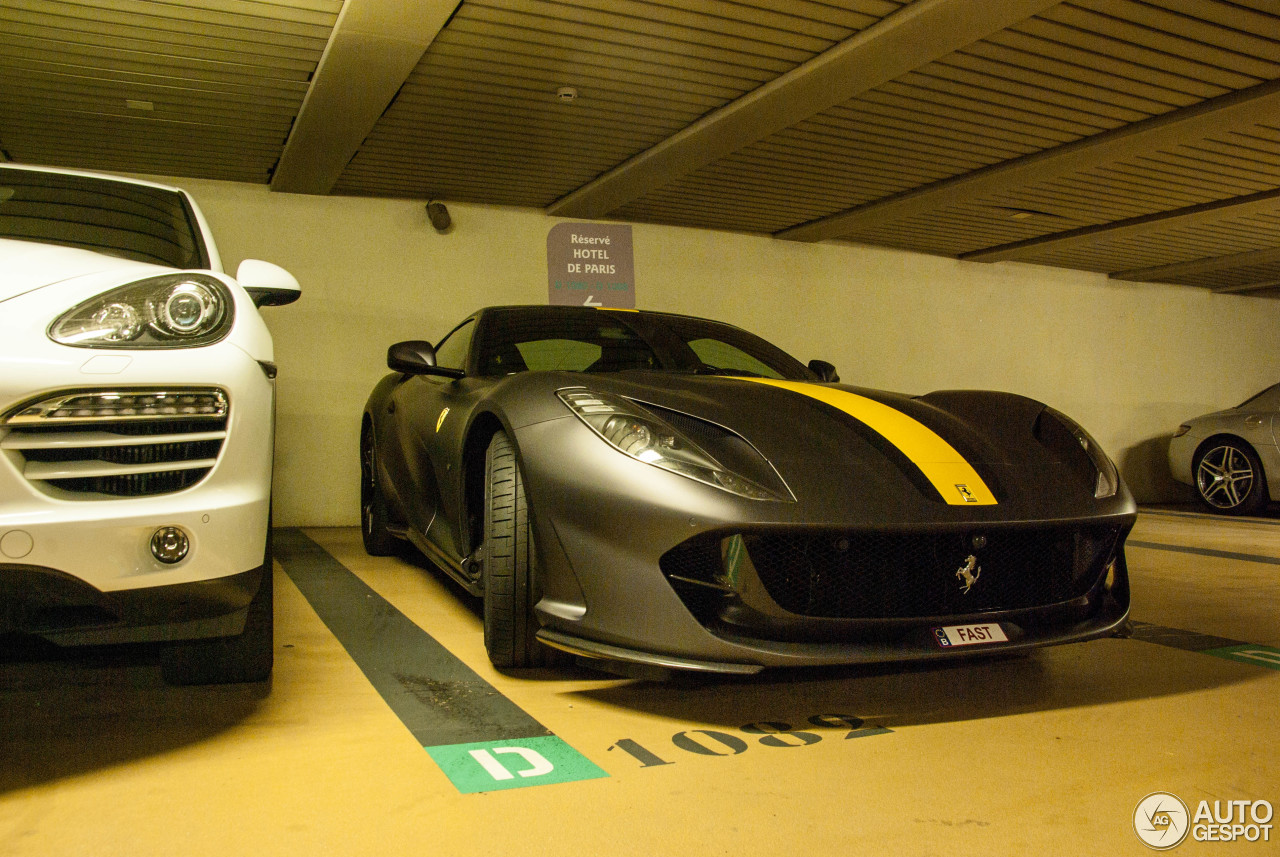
956 480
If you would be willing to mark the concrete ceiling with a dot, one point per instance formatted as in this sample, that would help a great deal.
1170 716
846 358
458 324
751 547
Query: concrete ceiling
1140 138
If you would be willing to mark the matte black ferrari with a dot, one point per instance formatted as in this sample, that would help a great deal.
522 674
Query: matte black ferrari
672 491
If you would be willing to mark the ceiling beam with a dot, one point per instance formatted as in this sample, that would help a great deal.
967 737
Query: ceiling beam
375 46
1260 103
1211 265
914 36
1247 287
1191 216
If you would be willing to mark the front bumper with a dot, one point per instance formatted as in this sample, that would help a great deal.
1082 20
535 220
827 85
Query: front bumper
87 550
611 589
69 612
1181 451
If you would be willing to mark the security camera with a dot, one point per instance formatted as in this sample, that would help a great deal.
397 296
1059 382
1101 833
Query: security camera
439 216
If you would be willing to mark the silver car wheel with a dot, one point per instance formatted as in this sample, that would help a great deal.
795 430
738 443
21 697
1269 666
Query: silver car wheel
1225 477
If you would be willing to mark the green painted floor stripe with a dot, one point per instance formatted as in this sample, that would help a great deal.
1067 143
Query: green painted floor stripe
1174 638
1258 656
438 697
1208 644
442 701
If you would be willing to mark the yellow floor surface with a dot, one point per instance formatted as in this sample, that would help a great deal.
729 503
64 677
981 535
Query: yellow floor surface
1046 754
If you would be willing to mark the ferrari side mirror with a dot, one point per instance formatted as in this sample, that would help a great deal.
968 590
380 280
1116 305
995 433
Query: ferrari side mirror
824 370
416 357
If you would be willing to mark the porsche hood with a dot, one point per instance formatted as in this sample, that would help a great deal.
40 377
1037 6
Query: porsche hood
29 265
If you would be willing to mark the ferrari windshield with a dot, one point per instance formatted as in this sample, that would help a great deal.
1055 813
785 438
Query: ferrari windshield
574 339
133 221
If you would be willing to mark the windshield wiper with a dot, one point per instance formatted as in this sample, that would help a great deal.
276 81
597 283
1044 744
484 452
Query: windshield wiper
730 373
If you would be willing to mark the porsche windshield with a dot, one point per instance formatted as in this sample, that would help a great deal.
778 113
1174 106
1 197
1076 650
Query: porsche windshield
570 339
133 221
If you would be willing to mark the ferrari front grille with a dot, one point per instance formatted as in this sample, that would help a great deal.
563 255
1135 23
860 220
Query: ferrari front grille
878 574
901 575
118 443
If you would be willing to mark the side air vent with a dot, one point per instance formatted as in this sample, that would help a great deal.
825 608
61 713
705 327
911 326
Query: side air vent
120 443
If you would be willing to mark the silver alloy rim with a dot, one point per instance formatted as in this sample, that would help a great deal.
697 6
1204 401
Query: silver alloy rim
1224 477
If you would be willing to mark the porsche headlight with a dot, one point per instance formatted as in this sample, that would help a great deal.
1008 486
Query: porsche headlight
645 437
1108 481
171 311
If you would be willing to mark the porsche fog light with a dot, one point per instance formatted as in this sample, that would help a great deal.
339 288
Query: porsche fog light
170 545
171 311
632 430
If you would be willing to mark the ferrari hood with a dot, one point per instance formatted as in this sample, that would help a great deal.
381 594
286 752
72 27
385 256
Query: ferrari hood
961 450
29 265
945 468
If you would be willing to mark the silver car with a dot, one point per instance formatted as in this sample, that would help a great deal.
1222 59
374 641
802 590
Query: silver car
1231 457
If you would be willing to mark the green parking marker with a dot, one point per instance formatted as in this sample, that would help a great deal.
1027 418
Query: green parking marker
1259 656
487 766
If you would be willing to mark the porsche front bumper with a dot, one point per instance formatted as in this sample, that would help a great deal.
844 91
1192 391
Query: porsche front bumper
75 559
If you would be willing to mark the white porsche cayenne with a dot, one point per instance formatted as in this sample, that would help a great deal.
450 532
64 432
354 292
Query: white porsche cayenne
137 417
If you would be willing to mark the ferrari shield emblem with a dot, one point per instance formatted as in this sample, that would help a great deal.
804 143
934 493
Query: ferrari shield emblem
965 493
968 574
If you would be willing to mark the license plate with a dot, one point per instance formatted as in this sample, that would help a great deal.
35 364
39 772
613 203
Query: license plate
969 635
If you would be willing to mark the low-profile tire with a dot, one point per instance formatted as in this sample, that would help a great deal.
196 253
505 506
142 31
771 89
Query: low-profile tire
510 580
1229 478
246 657
378 540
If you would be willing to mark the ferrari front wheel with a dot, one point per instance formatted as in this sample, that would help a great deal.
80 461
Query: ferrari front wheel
1229 478
508 564
378 540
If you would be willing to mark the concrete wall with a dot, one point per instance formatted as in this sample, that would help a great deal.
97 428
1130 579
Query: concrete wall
1130 361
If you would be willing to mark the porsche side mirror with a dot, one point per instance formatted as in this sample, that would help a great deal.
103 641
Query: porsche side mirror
416 357
267 284
824 370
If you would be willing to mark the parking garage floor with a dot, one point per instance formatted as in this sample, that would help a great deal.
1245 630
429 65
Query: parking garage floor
385 731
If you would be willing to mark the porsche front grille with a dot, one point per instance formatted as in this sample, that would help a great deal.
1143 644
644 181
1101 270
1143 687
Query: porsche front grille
119 443
900 575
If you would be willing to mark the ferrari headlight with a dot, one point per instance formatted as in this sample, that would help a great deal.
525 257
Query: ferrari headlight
632 430
1108 481
171 311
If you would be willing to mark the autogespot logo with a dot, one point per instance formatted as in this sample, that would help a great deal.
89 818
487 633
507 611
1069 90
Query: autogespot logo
1161 821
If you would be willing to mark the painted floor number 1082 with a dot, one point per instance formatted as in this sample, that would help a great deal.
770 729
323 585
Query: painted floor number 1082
771 733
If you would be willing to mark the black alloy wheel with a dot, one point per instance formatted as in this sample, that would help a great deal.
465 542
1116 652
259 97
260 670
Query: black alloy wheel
509 567
378 540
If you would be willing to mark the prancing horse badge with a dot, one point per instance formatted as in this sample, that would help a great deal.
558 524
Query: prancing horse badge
968 574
